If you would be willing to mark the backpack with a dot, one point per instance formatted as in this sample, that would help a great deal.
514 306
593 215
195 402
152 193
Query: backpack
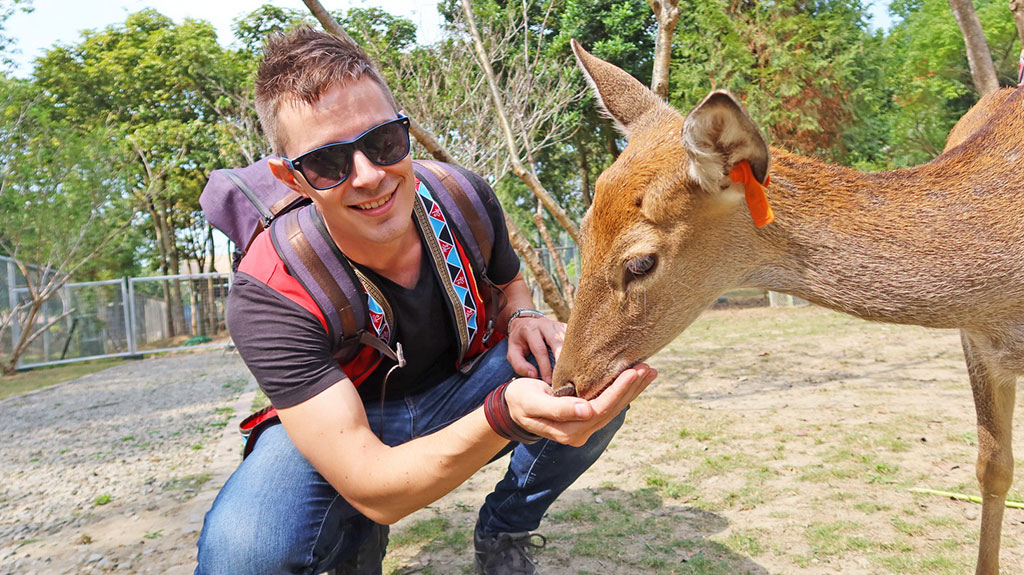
244 202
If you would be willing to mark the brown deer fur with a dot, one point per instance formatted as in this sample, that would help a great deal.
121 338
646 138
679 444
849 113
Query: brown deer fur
939 245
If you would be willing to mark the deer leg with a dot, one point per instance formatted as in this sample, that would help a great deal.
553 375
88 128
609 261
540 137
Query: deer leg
993 401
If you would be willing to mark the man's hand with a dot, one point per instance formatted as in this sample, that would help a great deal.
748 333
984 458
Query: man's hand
572 420
534 336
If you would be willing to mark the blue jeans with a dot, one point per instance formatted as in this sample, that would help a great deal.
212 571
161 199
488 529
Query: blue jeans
276 514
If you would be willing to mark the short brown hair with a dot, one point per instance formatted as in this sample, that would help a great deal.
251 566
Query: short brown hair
300 66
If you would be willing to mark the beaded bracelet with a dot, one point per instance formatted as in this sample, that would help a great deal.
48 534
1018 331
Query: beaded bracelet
500 419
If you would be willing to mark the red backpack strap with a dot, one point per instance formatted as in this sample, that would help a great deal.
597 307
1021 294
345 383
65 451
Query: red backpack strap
252 426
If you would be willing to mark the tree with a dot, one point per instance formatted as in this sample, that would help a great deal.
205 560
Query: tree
1017 9
930 81
7 9
171 98
557 300
978 56
806 71
667 12
62 203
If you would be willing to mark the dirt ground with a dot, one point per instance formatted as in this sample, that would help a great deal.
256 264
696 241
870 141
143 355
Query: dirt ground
776 441
781 441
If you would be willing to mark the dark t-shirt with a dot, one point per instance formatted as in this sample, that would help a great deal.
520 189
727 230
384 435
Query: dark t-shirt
425 332
288 351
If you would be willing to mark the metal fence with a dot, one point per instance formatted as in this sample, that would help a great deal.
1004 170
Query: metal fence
131 316
124 317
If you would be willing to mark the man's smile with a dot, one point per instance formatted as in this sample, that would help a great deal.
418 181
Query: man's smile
375 203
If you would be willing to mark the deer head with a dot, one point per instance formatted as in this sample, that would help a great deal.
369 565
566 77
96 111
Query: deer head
666 232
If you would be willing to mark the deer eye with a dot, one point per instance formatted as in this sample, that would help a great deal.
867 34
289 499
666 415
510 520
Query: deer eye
640 266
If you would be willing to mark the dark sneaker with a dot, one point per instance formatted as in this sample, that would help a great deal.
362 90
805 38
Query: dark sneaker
507 553
366 561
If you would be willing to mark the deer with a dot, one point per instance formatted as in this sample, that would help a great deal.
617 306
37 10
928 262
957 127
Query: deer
699 204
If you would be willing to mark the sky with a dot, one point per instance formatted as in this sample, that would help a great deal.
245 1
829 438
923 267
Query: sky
62 21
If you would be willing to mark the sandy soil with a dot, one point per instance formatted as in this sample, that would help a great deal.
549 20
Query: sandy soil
782 441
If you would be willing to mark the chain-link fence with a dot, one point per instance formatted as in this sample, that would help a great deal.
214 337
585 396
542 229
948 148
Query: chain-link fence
149 314
91 320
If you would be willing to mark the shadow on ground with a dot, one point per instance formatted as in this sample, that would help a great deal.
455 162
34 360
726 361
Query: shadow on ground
606 531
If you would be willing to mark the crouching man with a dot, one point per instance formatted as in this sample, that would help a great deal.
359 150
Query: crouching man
365 442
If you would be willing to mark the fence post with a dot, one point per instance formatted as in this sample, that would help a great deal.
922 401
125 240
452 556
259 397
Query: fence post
133 328
12 296
127 320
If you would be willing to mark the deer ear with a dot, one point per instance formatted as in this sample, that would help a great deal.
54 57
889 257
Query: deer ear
620 95
717 135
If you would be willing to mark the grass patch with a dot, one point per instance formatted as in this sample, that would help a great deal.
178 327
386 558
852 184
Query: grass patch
235 385
434 535
188 482
40 377
667 486
835 538
747 541
259 401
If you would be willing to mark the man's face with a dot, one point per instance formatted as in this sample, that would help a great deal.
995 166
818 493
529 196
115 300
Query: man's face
373 205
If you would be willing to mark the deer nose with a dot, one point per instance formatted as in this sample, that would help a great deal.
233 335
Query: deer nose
567 390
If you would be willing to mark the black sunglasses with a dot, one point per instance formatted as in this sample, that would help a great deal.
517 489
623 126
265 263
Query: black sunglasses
329 165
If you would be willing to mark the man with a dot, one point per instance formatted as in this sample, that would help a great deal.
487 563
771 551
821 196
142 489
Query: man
317 491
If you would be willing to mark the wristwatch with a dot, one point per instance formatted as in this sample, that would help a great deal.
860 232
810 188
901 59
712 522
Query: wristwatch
522 312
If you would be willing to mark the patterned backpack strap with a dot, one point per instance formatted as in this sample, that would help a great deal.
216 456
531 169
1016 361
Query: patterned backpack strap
459 191
300 238
463 204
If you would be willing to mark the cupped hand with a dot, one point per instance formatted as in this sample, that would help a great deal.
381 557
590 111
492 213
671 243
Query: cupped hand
572 420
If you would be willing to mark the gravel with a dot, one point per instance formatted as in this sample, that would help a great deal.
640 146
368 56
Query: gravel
113 472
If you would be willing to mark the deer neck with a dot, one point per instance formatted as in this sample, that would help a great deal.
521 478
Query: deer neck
891 246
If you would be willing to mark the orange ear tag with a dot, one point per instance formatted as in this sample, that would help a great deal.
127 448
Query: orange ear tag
757 200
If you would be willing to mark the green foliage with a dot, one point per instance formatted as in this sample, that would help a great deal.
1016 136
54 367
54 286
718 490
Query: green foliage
62 195
143 110
7 9
251 29
173 105
929 75
808 72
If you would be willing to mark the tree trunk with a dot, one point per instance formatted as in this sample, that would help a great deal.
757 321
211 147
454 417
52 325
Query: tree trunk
1017 9
174 264
518 169
979 58
210 306
581 152
667 13
18 347
161 243
556 258
422 135
519 242
552 296
613 145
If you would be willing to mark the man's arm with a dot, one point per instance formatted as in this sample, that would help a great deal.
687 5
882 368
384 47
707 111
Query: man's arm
387 483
